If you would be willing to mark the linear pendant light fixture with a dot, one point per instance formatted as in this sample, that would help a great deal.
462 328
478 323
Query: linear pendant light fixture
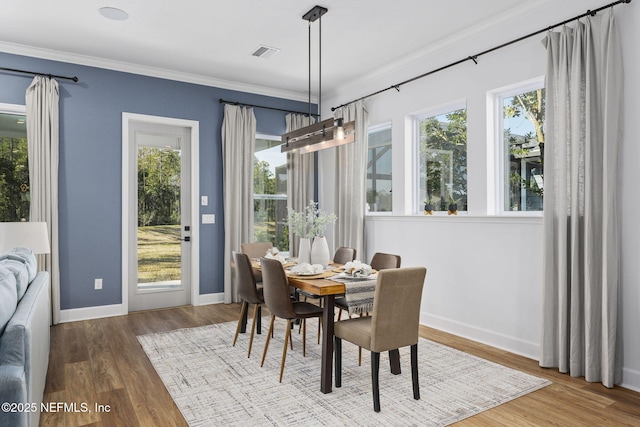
327 133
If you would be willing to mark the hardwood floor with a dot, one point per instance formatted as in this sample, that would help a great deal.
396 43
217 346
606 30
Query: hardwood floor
99 362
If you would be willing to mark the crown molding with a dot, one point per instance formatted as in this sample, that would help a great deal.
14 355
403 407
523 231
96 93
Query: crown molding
126 67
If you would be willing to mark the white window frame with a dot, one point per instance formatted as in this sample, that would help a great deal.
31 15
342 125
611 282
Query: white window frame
417 205
375 128
496 118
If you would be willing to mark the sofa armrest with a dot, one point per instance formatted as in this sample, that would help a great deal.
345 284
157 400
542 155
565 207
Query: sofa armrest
13 390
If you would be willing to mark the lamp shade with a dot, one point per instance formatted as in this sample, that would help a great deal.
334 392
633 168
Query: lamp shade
30 235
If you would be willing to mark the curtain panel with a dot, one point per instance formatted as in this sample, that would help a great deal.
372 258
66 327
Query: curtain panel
351 171
42 102
300 174
581 237
238 147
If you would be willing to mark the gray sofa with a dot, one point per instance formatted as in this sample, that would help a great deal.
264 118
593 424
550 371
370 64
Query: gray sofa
24 337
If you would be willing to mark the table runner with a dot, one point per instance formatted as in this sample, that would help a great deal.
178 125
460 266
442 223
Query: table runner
358 293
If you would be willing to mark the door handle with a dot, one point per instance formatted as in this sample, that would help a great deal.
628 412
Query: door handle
186 239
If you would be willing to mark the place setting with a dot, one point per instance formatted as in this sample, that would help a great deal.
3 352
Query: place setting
354 271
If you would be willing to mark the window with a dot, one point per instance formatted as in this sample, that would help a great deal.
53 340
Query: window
522 148
270 193
441 142
14 166
379 169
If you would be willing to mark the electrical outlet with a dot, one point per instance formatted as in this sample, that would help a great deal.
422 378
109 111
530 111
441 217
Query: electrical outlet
98 284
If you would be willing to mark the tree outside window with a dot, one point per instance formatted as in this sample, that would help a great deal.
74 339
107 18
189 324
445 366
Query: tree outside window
523 144
14 168
270 193
379 169
442 164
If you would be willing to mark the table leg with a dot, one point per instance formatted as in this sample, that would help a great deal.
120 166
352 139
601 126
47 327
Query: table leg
326 368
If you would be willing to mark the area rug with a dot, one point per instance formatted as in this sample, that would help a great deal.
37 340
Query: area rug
215 384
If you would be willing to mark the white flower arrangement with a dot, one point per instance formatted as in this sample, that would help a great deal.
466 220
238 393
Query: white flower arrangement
311 222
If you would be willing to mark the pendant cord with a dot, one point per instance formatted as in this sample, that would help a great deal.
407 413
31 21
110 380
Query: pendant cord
320 66
309 70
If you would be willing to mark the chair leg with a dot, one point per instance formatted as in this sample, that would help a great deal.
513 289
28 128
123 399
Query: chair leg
266 344
259 328
359 356
304 337
242 311
284 350
291 336
414 371
394 361
375 369
339 314
253 328
338 360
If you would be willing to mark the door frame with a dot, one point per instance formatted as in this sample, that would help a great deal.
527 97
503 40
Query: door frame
194 126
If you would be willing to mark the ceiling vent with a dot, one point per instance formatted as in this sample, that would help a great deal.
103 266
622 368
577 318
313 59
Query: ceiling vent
265 51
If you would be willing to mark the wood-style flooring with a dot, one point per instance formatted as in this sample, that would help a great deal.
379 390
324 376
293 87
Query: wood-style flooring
101 362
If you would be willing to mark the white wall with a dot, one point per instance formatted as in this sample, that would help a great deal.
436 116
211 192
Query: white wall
484 272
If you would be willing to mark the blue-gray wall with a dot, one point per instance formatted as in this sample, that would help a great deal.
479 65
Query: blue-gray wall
90 165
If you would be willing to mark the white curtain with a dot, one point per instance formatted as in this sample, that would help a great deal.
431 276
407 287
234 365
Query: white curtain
238 146
300 174
351 170
581 225
43 140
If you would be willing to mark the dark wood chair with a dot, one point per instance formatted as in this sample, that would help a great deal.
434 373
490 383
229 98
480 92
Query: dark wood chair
387 329
278 301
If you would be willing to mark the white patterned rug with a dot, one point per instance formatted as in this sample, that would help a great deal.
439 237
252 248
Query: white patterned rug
215 384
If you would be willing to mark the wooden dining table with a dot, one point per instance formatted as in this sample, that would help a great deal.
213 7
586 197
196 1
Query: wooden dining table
326 290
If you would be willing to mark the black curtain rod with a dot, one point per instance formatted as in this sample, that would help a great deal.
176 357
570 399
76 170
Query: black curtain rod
222 101
474 58
33 73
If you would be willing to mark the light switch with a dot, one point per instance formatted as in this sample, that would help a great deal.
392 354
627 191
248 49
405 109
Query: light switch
204 200
208 218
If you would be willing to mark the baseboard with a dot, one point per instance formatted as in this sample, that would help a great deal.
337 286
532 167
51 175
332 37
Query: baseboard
97 312
87 313
205 299
630 379
484 336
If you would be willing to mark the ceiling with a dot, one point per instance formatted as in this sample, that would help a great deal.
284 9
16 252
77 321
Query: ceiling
212 40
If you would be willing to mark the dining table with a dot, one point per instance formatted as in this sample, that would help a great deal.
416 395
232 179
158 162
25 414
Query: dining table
327 289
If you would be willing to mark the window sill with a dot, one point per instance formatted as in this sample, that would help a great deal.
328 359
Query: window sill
460 218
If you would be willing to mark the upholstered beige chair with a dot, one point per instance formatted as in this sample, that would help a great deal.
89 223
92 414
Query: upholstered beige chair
279 303
344 255
393 324
249 294
255 251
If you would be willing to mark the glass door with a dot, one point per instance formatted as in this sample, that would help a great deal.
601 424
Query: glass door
159 276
